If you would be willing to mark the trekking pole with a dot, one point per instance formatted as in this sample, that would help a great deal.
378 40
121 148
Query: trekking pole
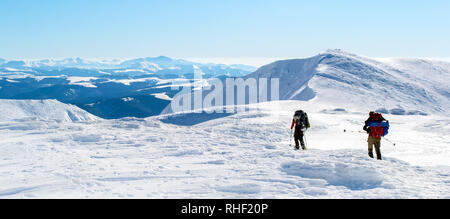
290 139
351 131
390 142
306 143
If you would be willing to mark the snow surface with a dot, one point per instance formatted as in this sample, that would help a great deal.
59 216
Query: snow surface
240 155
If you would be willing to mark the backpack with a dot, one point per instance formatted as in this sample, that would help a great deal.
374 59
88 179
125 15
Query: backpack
379 129
301 119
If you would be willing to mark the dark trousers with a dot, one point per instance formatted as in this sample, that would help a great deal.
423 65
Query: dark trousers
298 136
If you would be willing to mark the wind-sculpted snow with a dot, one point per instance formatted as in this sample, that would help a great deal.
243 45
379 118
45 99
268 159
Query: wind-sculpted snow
338 170
244 155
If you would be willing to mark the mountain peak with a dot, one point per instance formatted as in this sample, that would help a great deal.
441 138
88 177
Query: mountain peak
338 52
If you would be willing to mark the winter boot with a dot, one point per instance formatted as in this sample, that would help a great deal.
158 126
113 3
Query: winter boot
379 157
378 153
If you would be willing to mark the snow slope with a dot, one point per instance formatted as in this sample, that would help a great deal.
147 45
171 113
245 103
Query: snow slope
398 86
23 110
242 155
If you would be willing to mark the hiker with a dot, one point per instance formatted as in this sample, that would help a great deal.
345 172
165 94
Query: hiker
301 123
377 127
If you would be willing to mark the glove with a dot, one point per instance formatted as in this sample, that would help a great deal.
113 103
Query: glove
368 130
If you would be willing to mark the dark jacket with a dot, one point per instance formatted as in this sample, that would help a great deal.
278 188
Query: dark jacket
299 125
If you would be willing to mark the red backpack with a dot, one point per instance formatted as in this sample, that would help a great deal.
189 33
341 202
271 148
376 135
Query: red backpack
377 132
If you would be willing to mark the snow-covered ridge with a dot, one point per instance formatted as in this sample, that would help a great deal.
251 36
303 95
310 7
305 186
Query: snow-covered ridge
47 110
346 80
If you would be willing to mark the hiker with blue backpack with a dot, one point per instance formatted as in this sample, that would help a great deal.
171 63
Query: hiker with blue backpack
377 127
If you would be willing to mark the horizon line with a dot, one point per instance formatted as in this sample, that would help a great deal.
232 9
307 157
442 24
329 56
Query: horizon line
250 61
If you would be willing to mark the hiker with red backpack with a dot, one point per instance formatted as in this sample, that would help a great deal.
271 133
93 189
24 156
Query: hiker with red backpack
301 124
377 127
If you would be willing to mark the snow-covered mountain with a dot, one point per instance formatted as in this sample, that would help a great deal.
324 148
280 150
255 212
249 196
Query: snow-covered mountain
398 86
48 110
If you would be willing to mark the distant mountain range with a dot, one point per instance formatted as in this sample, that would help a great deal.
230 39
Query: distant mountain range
159 65
109 89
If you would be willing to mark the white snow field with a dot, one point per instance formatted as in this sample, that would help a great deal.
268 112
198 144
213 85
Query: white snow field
242 155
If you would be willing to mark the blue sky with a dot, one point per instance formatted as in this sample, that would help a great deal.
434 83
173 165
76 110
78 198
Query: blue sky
35 29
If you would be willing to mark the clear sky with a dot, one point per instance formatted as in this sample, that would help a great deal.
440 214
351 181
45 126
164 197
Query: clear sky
35 29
